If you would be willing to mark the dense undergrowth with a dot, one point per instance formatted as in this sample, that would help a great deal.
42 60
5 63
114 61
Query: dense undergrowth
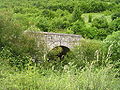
94 19
92 65
88 78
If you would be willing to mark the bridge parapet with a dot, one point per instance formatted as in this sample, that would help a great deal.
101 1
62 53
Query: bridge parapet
52 40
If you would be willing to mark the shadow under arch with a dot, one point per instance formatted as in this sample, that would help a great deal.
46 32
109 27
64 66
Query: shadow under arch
58 51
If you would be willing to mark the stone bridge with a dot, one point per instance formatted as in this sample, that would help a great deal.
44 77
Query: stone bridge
52 40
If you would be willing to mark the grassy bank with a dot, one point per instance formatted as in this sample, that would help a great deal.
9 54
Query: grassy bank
88 78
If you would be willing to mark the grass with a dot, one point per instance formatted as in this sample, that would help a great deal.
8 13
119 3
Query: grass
88 78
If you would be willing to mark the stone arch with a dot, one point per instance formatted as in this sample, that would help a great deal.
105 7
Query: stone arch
59 44
64 51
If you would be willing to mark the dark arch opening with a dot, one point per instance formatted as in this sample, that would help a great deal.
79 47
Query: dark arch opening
59 51
64 51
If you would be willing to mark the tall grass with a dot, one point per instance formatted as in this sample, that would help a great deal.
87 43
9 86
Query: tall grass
81 73
88 78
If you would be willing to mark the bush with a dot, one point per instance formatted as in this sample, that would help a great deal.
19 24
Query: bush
93 6
112 42
63 6
60 23
114 25
100 23
88 32
43 24
117 1
88 51
97 6
9 30
20 47
76 15
48 13
93 33
77 26
101 34
115 16
18 10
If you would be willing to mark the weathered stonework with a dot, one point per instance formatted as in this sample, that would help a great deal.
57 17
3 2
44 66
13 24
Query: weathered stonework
52 40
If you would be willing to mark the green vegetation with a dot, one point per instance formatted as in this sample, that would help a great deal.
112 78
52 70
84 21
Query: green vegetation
62 16
92 65
38 79
113 41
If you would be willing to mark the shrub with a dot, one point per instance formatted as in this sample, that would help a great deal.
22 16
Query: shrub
100 23
18 10
88 32
60 23
61 13
63 6
93 6
19 46
115 16
23 20
86 52
77 26
94 33
43 24
114 25
117 1
97 6
9 30
76 15
113 43
48 13
101 34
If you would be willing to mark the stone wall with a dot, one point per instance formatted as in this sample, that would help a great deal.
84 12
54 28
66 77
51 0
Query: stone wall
52 40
